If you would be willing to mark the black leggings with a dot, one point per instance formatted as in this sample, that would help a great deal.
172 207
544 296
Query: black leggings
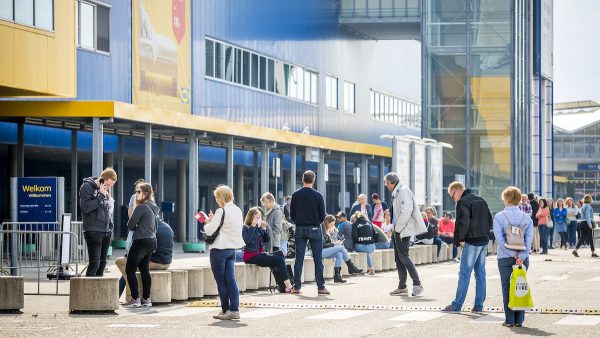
275 262
586 236
138 257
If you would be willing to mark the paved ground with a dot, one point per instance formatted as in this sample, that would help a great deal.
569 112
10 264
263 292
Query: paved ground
562 283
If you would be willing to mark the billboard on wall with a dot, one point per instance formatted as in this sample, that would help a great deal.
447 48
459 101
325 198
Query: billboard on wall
435 174
401 159
547 36
418 172
161 55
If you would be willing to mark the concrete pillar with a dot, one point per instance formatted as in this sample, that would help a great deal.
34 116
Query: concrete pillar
181 200
321 185
364 173
74 180
20 150
12 153
264 170
97 146
120 185
161 173
148 153
293 169
343 200
193 188
381 176
238 192
229 161
255 186
287 185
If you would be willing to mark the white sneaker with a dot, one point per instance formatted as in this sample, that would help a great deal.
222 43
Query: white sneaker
133 303
417 290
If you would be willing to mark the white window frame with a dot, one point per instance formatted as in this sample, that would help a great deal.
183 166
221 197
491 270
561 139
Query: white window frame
330 95
34 25
349 102
94 4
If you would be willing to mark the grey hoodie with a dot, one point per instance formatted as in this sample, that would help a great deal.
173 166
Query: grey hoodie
143 221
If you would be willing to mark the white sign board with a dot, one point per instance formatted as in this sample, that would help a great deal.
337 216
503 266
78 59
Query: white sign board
401 160
276 167
419 172
326 172
435 174
356 175
312 154
65 254
547 38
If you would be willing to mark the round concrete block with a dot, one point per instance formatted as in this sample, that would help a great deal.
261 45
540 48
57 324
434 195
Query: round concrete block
377 259
210 285
179 284
427 250
252 275
328 265
392 258
263 277
443 253
160 291
434 257
412 254
195 282
94 294
362 260
449 251
12 293
385 260
308 270
240 276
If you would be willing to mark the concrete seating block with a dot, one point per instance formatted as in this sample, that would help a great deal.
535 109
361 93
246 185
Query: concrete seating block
412 254
428 250
160 291
240 276
362 261
264 275
179 284
377 259
308 270
12 291
392 258
97 294
449 251
490 247
420 254
328 265
210 285
252 275
345 270
443 253
385 260
196 282
434 256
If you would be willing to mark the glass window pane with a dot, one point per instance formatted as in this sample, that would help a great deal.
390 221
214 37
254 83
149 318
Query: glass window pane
210 58
254 68
219 64
279 78
286 79
44 14
313 88
24 12
263 73
306 86
228 63
372 103
6 9
246 68
238 66
300 93
328 91
86 25
271 75
103 27
293 82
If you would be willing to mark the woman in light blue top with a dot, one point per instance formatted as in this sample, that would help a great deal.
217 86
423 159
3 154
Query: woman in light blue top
586 226
507 258
560 221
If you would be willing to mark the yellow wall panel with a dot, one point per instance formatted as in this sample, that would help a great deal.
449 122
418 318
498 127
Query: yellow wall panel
37 62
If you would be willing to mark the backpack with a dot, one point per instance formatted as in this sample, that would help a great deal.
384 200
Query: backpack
515 235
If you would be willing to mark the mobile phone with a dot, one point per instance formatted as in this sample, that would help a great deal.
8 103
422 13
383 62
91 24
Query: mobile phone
101 181
201 216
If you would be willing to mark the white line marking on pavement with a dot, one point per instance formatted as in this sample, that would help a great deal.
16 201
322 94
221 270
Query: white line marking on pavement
264 313
579 320
340 314
595 279
133 325
492 318
24 328
418 316
553 278
183 312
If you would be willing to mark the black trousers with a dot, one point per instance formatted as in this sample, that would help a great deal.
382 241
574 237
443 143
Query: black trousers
138 257
275 262
403 262
97 245
586 236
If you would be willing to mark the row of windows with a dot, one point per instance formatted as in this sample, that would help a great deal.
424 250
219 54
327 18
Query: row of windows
233 64
92 26
35 13
395 110
331 94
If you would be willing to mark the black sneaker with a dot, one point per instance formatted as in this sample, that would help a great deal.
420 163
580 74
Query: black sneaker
450 308
575 253
594 255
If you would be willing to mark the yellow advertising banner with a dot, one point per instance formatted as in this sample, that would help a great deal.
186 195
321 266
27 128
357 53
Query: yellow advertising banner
162 54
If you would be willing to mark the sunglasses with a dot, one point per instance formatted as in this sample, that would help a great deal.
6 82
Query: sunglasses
138 191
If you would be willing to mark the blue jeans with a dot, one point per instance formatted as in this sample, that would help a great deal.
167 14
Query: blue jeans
337 251
572 233
383 245
309 235
283 245
222 264
438 241
544 237
473 257
368 248
449 241
505 266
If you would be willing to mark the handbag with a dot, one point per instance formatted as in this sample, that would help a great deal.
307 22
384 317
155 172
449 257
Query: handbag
519 297
210 239
515 234
550 224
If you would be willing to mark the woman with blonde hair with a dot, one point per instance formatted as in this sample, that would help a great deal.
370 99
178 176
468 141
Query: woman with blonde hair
572 212
586 226
362 206
227 223
274 223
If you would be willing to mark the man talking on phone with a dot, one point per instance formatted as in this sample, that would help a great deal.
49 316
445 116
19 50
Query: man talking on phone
97 222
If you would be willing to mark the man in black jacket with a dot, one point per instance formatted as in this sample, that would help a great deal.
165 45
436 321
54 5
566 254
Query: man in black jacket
535 206
473 224
95 204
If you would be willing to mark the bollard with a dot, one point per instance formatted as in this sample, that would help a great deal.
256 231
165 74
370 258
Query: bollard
95 294
210 285
12 293
427 251
434 254
308 270
179 284
328 264
385 260
195 282
377 259
240 276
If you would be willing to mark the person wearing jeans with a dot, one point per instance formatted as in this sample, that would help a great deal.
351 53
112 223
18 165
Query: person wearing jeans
307 210
364 236
572 212
586 226
473 225
543 215
97 245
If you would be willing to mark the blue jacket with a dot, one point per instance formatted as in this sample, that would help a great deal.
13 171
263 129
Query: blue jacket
560 215
254 237
164 244
356 208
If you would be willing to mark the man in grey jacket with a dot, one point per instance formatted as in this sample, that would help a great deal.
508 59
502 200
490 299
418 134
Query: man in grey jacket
408 222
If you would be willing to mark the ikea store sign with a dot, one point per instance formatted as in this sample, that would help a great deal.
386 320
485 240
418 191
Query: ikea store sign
37 198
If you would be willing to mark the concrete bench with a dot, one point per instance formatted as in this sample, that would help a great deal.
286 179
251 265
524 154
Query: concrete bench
209 284
160 291
252 277
96 294
263 276
443 253
179 284
377 259
428 252
328 264
195 282
412 254
434 254
308 270
12 293
362 261
385 259
449 251
240 276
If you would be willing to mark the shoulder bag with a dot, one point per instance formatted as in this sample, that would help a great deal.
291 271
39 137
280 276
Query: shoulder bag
210 239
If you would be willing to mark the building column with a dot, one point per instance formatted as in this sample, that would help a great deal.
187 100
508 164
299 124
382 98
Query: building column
192 235
148 154
120 185
229 161
181 201
381 176
255 185
364 173
74 181
161 173
97 146
293 169
264 170
321 184
342 199
20 150
239 188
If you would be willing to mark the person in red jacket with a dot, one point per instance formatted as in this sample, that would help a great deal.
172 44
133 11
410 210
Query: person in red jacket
446 232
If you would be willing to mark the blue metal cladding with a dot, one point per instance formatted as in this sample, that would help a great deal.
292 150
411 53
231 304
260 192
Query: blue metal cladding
108 77
304 33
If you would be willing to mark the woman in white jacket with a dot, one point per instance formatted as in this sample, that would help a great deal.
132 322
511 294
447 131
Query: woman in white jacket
222 251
